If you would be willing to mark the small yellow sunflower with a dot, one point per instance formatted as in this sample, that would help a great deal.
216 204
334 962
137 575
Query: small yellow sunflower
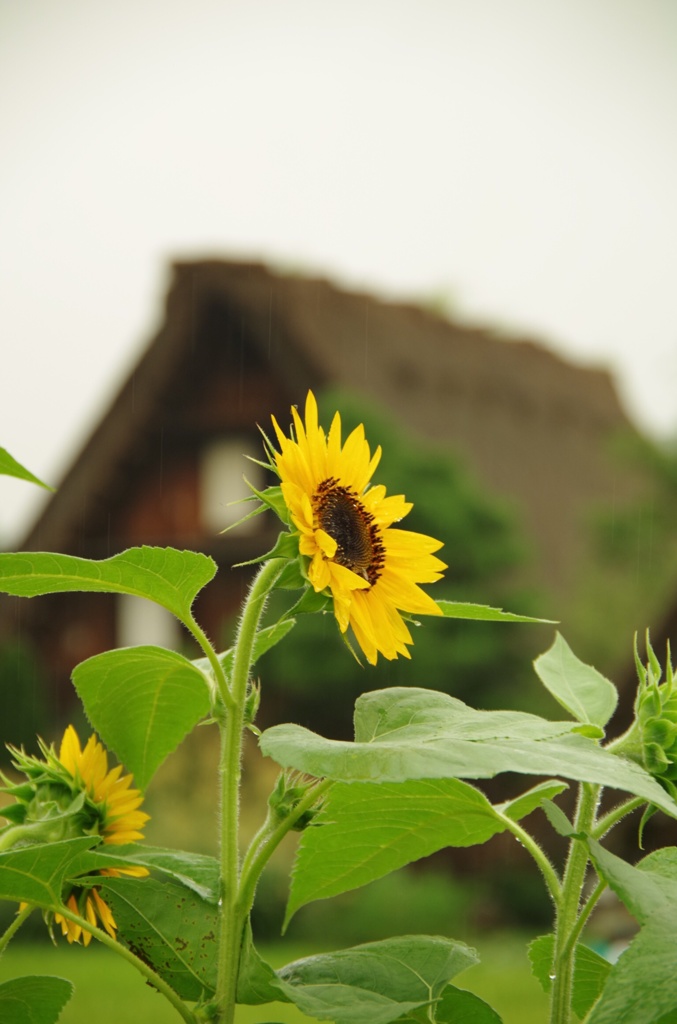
346 530
68 795
110 791
119 820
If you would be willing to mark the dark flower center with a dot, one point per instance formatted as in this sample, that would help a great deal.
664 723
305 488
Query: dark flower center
341 514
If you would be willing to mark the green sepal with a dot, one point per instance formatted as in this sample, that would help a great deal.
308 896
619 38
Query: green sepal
654 664
286 546
273 499
289 790
14 813
292 577
270 498
256 511
654 759
650 704
22 791
271 452
252 703
310 602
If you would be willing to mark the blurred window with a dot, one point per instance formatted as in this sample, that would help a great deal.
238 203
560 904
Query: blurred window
143 622
222 472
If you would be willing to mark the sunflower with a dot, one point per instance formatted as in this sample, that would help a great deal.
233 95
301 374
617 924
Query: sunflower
345 528
109 791
74 794
119 821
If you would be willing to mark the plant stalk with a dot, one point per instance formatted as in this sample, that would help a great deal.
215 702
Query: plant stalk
217 669
568 908
232 921
266 842
548 872
616 814
149 974
22 915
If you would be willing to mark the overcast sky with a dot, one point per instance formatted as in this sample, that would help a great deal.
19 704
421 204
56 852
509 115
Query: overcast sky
516 156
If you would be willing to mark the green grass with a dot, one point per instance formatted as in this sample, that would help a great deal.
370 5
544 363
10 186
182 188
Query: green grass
108 991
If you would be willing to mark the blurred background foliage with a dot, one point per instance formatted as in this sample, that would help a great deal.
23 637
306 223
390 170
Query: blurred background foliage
24 697
627 584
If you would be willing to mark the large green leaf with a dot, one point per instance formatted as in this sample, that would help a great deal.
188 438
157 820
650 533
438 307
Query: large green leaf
483 613
520 806
642 987
257 982
36 874
457 1005
195 871
404 733
590 971
10 467
377 982
170 928
581 690
366 830
33 1000
142 701
169 577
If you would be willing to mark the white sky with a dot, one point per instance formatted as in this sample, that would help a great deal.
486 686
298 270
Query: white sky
517 155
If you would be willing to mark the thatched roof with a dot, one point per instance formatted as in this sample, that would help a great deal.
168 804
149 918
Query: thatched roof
531 426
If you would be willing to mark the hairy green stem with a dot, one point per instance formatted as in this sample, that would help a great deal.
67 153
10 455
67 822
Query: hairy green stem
266 842
616 814
590 905
216 666
568 908
230 938
149 974
21 916
33 832
548 872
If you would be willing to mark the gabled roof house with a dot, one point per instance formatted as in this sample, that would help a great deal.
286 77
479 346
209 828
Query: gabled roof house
240 341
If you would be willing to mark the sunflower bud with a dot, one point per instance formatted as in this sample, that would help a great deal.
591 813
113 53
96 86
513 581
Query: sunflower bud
46 808
252 701
652 738
288 792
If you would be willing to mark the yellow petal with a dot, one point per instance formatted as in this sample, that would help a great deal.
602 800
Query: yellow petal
70 751
105 914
